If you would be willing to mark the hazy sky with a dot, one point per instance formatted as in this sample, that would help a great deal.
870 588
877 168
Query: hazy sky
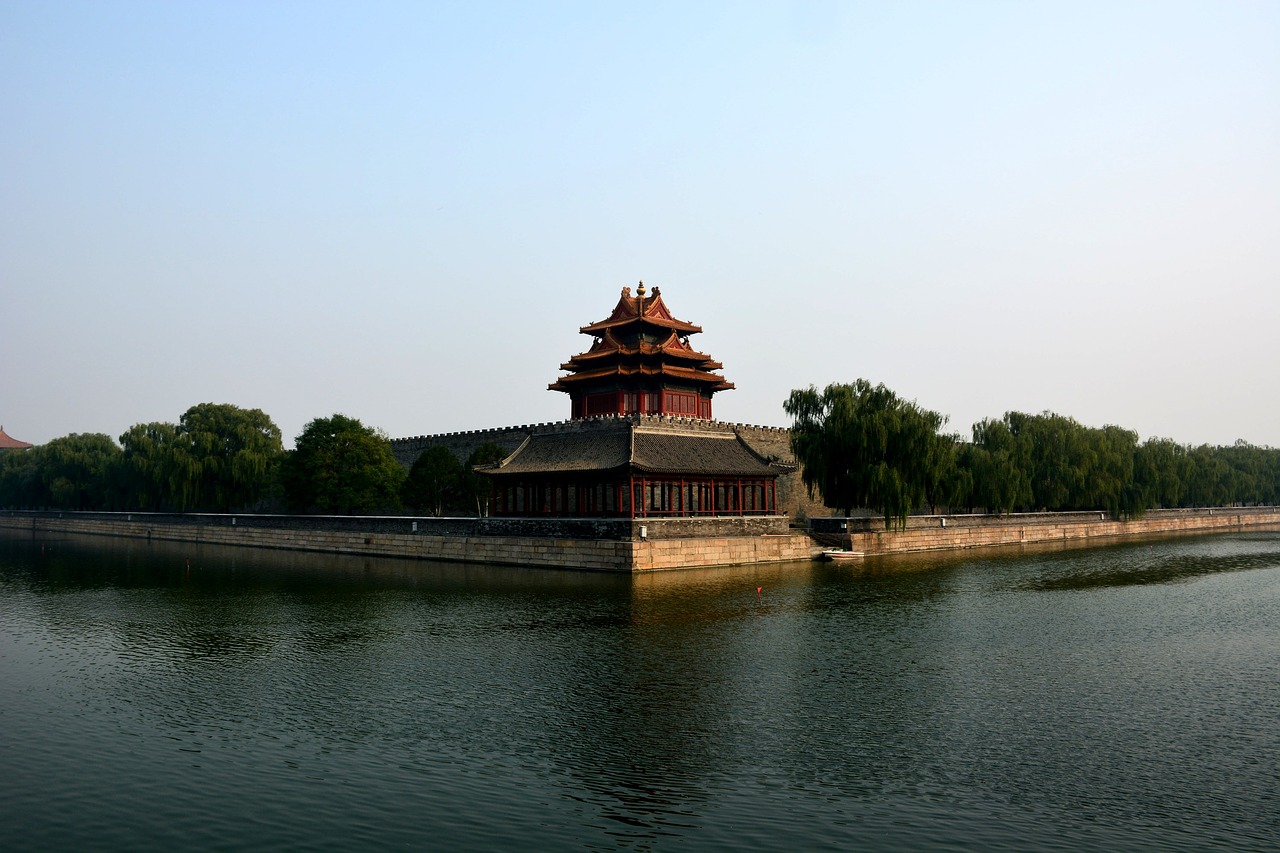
404 211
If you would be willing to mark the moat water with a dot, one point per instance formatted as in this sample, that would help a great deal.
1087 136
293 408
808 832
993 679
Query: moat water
161 697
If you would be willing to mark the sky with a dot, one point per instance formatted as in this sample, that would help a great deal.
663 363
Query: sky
404 212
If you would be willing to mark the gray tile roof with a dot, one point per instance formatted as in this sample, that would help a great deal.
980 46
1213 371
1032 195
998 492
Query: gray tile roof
629 449
666 453
562 453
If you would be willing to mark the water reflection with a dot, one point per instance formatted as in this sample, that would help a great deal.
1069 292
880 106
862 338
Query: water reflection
929 701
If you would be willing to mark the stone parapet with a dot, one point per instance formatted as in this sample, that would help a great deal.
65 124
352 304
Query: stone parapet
961 532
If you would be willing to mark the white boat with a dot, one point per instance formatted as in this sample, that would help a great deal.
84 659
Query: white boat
840 556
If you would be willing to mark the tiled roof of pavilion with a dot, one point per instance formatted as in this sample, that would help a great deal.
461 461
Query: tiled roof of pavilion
640 308
8 442
641 339
672 371
607 346
630 449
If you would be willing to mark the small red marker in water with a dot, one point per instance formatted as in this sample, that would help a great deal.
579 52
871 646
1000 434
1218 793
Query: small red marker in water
758 592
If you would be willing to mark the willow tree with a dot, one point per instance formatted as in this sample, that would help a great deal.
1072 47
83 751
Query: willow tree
864 446
77 470
218 457
156 471
234 451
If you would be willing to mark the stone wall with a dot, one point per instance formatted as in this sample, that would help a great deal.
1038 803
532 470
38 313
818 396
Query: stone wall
928 533
670 543
394 537
793 497
462 444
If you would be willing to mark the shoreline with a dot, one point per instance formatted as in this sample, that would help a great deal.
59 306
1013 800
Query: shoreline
630 546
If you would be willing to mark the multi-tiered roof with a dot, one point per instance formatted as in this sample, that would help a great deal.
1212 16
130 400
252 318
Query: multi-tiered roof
641 363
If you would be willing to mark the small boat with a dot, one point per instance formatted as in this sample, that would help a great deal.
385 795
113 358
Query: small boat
840 556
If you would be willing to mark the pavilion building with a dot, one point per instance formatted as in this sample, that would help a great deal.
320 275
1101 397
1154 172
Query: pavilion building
8 442
641 442
641 363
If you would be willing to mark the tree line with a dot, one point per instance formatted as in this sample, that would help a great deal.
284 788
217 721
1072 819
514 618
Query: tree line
222 458
864 447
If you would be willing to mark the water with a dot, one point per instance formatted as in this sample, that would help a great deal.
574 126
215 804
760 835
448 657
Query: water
158 696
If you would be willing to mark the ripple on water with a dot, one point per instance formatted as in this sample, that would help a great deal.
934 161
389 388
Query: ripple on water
983 704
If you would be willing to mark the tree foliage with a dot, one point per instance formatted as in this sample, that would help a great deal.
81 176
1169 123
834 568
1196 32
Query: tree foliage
75 472
339 465
1051 462
234 451
438 484
217 458
863 446
434 483
156 472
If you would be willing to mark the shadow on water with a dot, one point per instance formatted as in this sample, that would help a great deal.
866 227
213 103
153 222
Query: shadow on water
1069 565
1156 562
90 562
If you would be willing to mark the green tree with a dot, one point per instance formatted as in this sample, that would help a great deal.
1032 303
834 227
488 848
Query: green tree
1161 471
78 470
999 483
863 446
1210 483
339 465
156 470
234 452
1109 480
434 483
21 485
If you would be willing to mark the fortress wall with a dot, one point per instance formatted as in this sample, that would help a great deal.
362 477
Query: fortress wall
461 444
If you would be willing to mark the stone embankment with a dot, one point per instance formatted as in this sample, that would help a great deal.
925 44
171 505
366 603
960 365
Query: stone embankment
956 532
631 545
605 544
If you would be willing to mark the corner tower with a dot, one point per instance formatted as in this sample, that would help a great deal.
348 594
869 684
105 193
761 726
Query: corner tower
641 363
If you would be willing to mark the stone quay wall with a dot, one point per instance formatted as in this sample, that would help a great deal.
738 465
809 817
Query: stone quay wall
629 545
956 532
604 544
